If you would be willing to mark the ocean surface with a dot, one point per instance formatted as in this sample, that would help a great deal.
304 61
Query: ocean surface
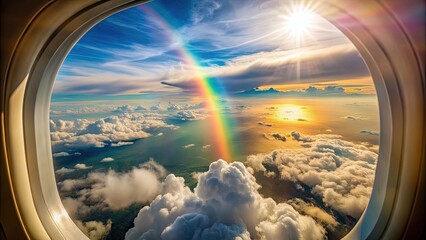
347 117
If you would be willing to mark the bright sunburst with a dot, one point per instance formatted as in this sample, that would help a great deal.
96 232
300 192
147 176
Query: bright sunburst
298 22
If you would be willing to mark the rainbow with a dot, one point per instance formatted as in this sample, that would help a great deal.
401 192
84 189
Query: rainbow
219 126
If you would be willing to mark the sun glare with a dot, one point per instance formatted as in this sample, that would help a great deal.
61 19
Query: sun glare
298 22
291 112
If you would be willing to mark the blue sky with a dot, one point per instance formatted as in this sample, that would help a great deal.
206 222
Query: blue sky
239 44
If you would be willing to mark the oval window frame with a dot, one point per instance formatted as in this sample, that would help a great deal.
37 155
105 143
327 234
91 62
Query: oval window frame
38 56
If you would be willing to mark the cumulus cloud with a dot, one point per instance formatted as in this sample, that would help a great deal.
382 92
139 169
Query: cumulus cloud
279 136
125 108
113 190
225 204
107 159
341 173
188 115
95 230
328 90
61 154
140 108
81 166
119 144
64 170
64 154
157 107
173 107
117 130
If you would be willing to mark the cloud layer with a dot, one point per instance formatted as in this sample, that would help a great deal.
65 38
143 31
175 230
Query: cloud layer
115 131
113 190
338 171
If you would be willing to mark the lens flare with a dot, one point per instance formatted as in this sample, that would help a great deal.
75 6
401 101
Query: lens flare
299 21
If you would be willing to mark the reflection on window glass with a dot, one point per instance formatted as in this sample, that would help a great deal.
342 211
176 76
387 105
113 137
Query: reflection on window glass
214 119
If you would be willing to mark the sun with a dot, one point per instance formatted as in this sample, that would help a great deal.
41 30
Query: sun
299 21
291 112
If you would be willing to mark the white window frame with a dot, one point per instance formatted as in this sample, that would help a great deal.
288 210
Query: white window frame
396 71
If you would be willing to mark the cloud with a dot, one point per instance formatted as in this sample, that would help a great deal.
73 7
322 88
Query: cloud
84 110
61 154
279 137
64 170
218 32
173 107
195 175
65 154
122 128
207 146
264 124
287 223
72 184
188 115
120 144
328 90
341 173
81 166
107 159
95 230
140 108
367 132
350 117
125 108
300 137
315 212
113 190
157 107
270 68
225 204
189 145
203 9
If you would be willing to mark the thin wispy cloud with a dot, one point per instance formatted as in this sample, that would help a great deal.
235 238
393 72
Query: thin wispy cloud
239 45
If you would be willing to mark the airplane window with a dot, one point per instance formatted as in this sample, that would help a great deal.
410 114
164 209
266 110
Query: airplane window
214 120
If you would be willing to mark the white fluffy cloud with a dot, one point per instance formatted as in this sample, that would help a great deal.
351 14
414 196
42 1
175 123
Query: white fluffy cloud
107 159
119 144
81 166
188 115
338 171
225 204
95 230
113 190
64 170
117 130
61 154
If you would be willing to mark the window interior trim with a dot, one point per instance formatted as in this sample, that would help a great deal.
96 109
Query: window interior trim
39 55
